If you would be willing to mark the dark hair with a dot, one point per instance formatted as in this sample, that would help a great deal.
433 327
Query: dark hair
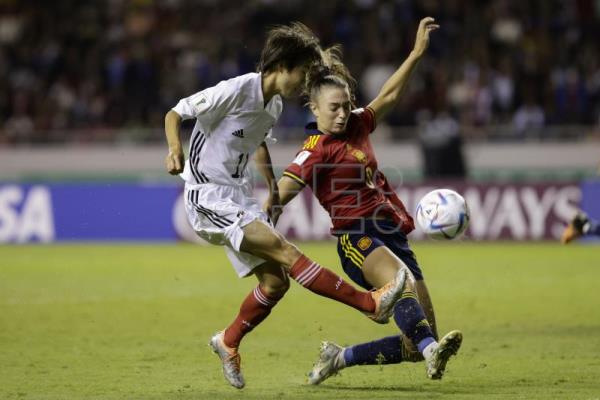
329 71
289 46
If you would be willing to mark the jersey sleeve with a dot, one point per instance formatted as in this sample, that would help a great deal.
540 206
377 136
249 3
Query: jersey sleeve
303 168
367 116
208 104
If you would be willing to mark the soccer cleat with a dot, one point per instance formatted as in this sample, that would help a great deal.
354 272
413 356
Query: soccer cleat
231 360
386 297
327 365
576 228
447 347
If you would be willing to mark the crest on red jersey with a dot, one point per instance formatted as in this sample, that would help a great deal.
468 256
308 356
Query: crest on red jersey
358 154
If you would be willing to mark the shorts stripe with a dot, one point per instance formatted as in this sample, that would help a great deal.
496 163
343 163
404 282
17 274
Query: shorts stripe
350 252
208 216
211 212
219 221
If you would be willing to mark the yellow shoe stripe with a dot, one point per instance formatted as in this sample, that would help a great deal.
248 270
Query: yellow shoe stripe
408 295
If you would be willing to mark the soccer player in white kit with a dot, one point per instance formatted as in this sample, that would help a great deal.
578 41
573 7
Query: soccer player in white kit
233 123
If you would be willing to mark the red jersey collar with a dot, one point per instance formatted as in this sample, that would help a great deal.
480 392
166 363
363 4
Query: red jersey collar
311 129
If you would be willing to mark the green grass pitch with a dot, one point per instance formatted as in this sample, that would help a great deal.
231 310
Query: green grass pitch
133 321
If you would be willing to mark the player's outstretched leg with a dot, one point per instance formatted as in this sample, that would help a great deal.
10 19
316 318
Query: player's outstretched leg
263 241
378 305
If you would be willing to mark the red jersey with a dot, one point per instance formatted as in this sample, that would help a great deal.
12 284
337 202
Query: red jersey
342 172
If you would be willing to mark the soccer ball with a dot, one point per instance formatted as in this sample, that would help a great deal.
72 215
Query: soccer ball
443 214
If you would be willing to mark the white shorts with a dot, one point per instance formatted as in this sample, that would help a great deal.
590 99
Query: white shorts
218 212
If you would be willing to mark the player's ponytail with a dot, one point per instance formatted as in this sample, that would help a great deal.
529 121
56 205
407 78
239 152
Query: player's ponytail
330 71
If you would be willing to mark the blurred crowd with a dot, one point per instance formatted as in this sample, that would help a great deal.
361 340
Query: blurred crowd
108 70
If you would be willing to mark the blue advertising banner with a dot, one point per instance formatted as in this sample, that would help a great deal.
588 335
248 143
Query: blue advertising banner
86 212
590 198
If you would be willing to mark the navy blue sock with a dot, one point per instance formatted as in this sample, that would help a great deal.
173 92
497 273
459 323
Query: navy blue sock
411 320
383 351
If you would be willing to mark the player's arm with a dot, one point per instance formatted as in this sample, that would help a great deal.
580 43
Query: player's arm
174 160
208 105
262 159
393 87
288 189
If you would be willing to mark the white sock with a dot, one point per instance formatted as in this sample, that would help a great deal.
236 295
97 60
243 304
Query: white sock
428 351
340 361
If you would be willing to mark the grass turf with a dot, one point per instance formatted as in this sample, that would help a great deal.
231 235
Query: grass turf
132 322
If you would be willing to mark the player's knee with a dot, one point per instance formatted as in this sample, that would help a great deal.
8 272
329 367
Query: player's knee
275 244
276 289
282 251
290 254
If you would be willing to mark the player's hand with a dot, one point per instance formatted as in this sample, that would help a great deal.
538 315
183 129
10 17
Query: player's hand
174 162
273 205
426 25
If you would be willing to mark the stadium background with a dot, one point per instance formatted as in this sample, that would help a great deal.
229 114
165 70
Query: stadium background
505 108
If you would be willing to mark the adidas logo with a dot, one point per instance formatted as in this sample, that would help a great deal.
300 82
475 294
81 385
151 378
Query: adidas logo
239 133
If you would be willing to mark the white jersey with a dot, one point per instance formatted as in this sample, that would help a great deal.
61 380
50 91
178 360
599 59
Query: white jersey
231 123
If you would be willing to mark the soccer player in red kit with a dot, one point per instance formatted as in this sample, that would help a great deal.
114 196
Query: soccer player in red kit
337 162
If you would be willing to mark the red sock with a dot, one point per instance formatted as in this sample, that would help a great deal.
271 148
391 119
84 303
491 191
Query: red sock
325 283
255 308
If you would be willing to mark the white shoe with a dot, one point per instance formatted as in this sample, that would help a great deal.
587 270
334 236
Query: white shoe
447 347
327 365
387 296
231 360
